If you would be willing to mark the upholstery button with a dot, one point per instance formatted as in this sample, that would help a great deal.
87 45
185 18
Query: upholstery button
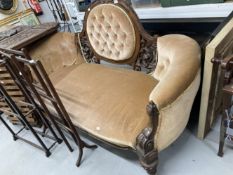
102 17
111 17
107 35
113 44
117 54
115 36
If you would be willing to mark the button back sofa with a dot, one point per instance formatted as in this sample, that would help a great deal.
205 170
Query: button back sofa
124 107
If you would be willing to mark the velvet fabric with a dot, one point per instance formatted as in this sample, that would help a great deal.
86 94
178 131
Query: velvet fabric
110 103
110 38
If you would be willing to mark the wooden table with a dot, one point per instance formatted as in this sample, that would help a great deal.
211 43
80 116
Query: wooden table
21 36
17 38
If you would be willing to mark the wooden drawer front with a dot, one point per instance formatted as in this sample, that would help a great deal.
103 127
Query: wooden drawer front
13 90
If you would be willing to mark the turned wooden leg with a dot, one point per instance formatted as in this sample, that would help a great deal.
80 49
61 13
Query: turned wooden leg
146 151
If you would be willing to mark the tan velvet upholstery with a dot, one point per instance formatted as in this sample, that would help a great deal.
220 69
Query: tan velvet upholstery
178 64
178 73
57 51
109 103
111 38
174 117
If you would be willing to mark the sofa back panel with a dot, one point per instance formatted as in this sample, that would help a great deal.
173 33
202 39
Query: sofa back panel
178 65
111 32
57 51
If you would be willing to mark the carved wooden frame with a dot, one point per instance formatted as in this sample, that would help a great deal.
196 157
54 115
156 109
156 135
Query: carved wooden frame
144 57
145 51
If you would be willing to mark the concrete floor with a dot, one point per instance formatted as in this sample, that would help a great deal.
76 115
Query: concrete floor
187 156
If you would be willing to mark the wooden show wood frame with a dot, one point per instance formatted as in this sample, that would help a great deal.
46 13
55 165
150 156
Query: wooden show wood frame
144 55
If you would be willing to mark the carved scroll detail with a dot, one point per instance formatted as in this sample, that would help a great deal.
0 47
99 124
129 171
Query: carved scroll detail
146 151
87 51
147 57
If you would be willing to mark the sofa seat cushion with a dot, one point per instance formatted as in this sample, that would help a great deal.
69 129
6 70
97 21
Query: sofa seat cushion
109 103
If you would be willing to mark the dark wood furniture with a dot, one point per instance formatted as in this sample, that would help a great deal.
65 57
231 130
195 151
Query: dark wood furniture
21 36
14 109
110 103
17 38
227 93
40 93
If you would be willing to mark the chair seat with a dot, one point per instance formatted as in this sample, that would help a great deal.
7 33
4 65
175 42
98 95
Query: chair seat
109 103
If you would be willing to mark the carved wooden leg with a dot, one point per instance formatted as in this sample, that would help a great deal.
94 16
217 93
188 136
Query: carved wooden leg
148 154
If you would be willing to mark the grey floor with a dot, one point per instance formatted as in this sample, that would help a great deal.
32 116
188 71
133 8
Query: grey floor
187 156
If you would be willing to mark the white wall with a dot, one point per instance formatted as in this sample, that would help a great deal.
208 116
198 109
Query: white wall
47 14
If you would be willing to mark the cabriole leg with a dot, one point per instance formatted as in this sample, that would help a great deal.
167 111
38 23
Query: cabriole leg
147 153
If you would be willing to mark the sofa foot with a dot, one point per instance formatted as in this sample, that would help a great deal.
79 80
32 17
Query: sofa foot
146 150
148 155
150 162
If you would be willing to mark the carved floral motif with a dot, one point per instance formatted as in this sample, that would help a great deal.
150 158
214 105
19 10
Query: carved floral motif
147 58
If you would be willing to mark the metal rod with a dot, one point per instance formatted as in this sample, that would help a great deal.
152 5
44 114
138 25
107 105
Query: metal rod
8 127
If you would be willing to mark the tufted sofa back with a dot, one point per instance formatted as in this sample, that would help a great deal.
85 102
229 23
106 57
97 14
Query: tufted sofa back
178 65
111 32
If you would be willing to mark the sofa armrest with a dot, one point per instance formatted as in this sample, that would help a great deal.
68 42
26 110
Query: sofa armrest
57 51
178 64
178 75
